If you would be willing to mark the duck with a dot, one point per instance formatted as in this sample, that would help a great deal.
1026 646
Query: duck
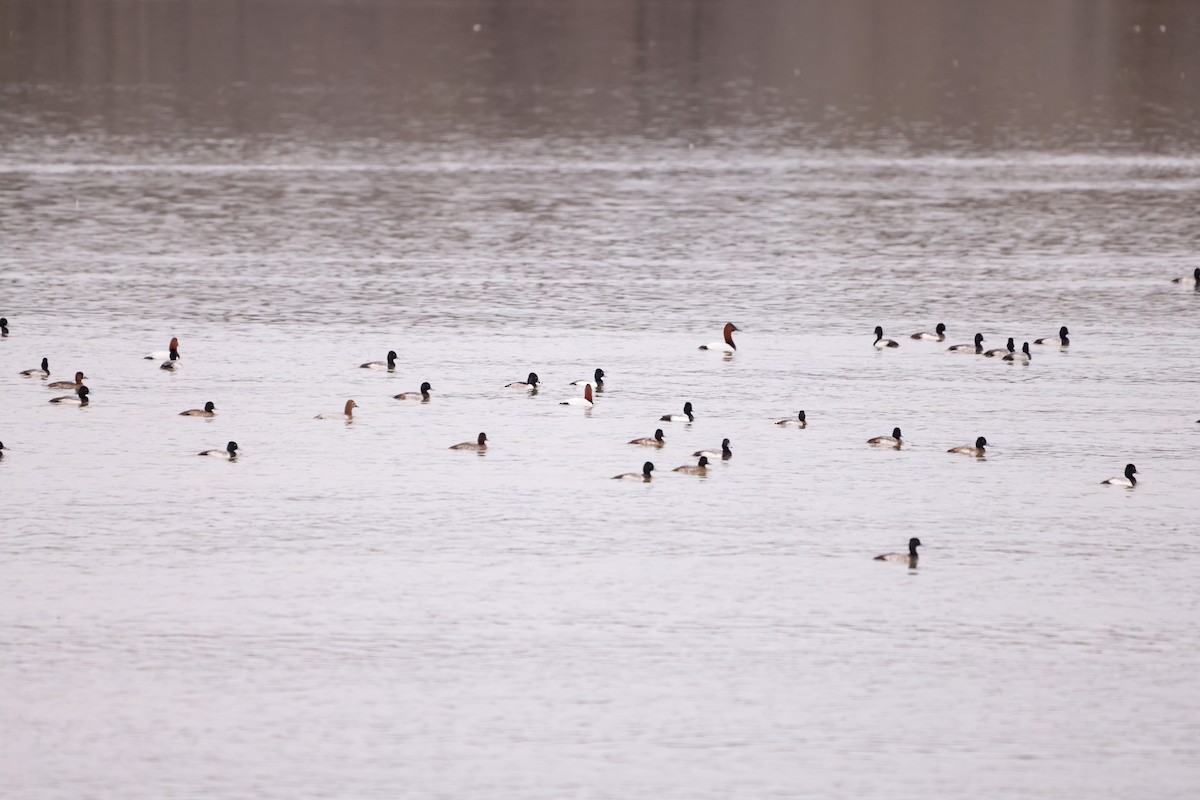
1194 279
939 334
686 416
977 451
422 395
71 385
597 381
909 558
1023 357
163 355
969 349
882 343
1057 341
798 422
390 366
208 411
171 364
2 449
701 467
529 384
656 440
42 372
585 401
228 454
347 414
479 445
724 453
80 398
727 346
1001 351
3 326
1128 481
893 441
643 476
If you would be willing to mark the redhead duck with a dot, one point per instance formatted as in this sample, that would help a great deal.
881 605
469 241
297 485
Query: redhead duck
346 414
71 385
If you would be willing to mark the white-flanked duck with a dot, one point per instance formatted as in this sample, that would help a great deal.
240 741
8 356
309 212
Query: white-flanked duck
969 349
1056 341
597 381
173 363
530 384
1195 280
939 334
727 346
209 410
686 416
701 467
798 422
42 372
422 395
909 558
643 476
723 452
382 366
68 385
585 401
163 355
1023 357
656 440
228 454
80 398
894 441
479 445
1128 481
978 451
882 343
347 414
1001 351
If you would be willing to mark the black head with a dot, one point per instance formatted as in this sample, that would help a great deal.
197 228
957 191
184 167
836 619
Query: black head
533 379
647 468
703 462
658 434
4 320
425 387
231 448
1025 348
940 329
599 375
687 407
391 356
800 416
45 365
1062 332
482 438
83 392
1011 345
1130 470
1 445
913 544
174 355
978 339
1195 274
895 433
209 406
878 332
981 442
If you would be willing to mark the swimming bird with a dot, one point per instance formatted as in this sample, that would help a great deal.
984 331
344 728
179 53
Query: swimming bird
43 372
969 349
939 334
1001 351
882 343
72 385
172 364
422 395
656 440
597 381
686 416
799 422
585 401
347 414
894 441
1057 341
701 467
1194 279
727 346
208 411
228 454
390 366
2 449
1023 357
80 398
909 558
1128 481
479 445
163 355
724 453
529 384
643 476
3 326
977 451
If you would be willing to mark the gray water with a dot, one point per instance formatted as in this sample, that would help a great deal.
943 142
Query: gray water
354 610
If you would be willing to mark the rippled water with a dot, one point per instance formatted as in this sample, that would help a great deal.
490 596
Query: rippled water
354 610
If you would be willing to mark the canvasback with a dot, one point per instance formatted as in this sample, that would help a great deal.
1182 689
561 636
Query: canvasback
597 381
228 454
347 414
882 343
3 326
798 422
701 467
172 364
422 395
208 411
1195 279
1056 341
1128 481
530 384
1023 357
727 346
389 366
723 452
643 476
978 451
686 416
42 372
585 401
71 385
479 445
656 440
893 441
969 349
80 398
909 558
1001 351
939 334
163 355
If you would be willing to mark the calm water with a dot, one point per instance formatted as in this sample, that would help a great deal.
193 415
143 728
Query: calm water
357 611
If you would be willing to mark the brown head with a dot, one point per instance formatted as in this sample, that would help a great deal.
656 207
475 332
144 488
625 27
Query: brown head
79 376
729 329
587 392
350 406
